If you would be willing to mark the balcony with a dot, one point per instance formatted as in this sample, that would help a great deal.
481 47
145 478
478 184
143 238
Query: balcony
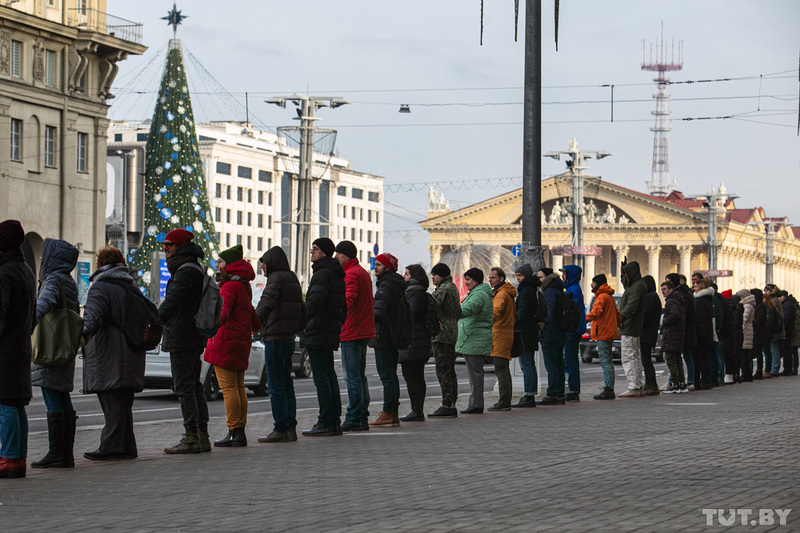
93 20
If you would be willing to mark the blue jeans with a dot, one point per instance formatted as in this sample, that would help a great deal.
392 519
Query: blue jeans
571 363
554 364
386 361
720 361
687 356
354 365
530 379
278 358
327 384
606 362
13 432
776 357
56 401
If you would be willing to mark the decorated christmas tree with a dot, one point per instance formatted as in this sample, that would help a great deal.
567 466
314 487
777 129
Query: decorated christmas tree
175 186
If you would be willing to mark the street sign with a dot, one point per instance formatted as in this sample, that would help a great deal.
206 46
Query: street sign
715 273
578 250
516 251
375 249
372 261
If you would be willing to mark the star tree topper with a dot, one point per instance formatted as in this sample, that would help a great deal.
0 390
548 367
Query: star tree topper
174 18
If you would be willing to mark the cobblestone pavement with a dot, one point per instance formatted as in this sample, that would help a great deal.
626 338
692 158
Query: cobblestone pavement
649 464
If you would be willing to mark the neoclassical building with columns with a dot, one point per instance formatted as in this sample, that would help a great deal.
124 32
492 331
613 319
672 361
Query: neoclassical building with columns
663 234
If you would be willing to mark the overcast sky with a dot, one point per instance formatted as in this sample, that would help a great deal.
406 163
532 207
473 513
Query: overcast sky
466 99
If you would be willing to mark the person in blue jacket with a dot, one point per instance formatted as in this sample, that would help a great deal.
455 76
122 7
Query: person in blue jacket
571 275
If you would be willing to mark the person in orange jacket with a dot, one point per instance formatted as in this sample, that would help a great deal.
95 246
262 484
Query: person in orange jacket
605 318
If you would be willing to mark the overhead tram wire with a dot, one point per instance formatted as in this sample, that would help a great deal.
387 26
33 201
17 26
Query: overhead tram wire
441 185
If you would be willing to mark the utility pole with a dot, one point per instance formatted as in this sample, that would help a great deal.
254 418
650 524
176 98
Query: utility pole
307 105
126 157
770 227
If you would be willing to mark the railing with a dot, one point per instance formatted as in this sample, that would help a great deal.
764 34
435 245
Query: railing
94 20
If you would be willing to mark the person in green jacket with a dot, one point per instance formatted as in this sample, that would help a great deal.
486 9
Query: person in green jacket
475 335
630 328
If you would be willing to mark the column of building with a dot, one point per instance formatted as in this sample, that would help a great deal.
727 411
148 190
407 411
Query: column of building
653 259
621 250
590 267
685 251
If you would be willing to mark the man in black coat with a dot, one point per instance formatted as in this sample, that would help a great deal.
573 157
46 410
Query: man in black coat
17 318
388 298
327 310
527 299
673 331
690 310
760 332
789 307
181 339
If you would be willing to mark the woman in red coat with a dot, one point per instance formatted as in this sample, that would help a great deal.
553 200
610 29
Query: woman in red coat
229 349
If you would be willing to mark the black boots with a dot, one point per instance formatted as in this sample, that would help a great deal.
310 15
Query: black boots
234 439
61 434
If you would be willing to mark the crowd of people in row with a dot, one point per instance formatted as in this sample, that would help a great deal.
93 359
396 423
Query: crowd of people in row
717 335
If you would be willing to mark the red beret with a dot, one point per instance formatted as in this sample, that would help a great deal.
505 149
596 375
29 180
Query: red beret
387 260
179 237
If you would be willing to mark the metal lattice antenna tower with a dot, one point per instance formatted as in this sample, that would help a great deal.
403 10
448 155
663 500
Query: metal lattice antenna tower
663 62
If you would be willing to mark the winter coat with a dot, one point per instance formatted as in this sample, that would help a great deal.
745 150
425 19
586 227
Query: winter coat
573 287
632 306
553 289
325 304
652 313
391 288
448 307
59 258
475 325
280 309
417 297
109 362
705 310
690 308
604 315
360 323
789 307
230 347
760 327
504 316
748 316
182 301
796 337
527 299
17 319
673 327
781 335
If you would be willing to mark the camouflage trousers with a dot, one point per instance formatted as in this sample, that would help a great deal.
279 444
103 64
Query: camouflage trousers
445 358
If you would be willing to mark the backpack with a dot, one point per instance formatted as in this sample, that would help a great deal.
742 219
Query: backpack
570 317
141 324
209 314
402 329
541 305
432 325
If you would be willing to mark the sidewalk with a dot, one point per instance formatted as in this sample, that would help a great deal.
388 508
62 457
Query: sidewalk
649 464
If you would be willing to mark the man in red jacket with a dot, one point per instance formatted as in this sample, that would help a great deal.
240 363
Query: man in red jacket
358 328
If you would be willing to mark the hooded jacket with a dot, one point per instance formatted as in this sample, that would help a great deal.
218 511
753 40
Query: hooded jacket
748 304
652 313
448 307
391 288
109 362
504 316
280 309
553 289
690 308
417 297
633 301
527 295
573 288
230 347
475 325
360 323
673 327
604 315
17 319
705 310
789 307
760 333
777 311
59 258
326 305
182 300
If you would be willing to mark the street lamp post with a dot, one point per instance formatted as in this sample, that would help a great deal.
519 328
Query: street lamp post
126 157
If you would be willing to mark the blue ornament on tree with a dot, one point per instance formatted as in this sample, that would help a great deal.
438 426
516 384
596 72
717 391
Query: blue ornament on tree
160 238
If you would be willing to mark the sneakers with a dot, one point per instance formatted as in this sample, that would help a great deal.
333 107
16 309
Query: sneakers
728 379
444 412
651 390
275 436
607 393
190 443
573 397
472 411
386 420
632 393
292 434
690 387
682 389
767 375
672 388
349 426
667 384
499 407
525 401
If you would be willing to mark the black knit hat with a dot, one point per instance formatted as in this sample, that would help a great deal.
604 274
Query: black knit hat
347 248
475 274
526 270
326 245
441 270
600 279
546 271
11 235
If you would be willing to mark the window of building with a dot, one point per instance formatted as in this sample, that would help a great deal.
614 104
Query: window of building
369 215
49 68
228 192
249 219
245 172
223 168
344 211
218 214
50 136
249 196
344 233
376 218
219 237
16 59
360 214
341 191
361 235
16 139
218 191
83 149
227 240
377 237
260 242
239 219
358 194
260 197
238 239
265 176
373 197
269 243
269 222
117 137
353 213
369 236
249 242
142 137
270 199
352 234
228 216
260 220
239 193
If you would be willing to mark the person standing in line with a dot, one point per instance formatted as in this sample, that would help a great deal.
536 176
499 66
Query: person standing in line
112 369
229 350
475 335
760 333
414 358
327 311
571 276
358 329
504 316
652 321
527 302
673 331
282 314
789 309
777 332
744 334
57 286
448 307
604 318
630 328
182 340
388 299
703 299
17 319
552 337
690 337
